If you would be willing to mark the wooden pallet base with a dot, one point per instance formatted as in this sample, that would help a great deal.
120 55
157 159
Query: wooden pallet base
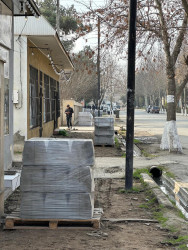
14 221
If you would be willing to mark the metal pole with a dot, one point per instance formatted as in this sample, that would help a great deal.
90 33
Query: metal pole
130 94
57 18
98 66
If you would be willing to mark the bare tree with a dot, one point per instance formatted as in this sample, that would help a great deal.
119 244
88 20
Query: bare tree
158 22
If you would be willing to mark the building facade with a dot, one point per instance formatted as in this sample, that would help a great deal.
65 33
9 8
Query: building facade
39 58
8 9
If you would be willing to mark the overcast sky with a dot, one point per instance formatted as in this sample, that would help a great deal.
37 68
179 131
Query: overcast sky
91 38
80 7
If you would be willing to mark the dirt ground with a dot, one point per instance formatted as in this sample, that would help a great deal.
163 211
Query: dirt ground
99 151
137 235
115 203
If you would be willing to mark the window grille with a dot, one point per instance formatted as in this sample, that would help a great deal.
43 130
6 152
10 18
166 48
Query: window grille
58 100
6 106
46 99
34 98
52 95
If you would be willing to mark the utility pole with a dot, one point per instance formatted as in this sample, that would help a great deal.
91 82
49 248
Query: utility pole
130 94
57 18
98 65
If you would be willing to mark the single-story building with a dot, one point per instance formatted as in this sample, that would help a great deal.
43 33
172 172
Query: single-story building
39 59
8 9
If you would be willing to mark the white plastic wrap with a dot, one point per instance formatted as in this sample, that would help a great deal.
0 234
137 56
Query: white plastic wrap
57 179
104 131
38 205
52 151
85 119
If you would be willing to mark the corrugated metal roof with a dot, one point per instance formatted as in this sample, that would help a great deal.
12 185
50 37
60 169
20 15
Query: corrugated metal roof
32 26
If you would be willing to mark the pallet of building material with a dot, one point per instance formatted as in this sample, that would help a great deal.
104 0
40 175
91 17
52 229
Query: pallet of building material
13 221
104 131
104 141
104 122
53 151
64 178
38 205
85 119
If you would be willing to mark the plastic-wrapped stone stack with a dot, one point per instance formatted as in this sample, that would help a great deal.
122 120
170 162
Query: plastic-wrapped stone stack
85 119
104 131
57 179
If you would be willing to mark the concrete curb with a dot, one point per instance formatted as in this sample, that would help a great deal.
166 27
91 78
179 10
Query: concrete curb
160 196
175 188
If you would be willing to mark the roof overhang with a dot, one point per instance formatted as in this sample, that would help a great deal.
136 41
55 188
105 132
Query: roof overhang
26 8
52 47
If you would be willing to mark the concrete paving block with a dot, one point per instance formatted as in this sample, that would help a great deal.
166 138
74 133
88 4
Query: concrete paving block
103 131
52 151
57 179
39 205
104 140
104 122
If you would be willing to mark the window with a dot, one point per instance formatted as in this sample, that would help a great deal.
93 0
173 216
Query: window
34 98
46 99
58 100
52 95
6 106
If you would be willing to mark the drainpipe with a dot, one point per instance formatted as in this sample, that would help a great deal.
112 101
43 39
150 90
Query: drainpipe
155 171
1 137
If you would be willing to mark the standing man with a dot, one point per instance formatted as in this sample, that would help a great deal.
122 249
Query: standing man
69 111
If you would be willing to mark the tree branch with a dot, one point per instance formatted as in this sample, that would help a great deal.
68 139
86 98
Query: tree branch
179 40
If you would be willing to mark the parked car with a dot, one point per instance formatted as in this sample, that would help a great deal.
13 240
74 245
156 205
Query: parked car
155 109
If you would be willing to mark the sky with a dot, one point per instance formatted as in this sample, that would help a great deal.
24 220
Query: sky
78 4
80 7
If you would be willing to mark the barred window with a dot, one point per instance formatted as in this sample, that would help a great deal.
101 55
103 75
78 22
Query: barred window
34 98
52 95
58 100
6 106
46 98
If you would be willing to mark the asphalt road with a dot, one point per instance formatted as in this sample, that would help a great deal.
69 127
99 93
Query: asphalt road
154 123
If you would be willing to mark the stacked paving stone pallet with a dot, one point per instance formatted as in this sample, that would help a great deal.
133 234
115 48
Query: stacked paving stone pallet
104 131
57 179
85 119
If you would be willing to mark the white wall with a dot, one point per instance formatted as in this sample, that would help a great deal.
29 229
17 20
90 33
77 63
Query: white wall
20 84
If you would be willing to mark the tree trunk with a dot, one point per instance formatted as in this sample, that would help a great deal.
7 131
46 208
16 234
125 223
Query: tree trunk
170 139
146 100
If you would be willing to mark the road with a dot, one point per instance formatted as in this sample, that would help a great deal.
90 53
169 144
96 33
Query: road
154 123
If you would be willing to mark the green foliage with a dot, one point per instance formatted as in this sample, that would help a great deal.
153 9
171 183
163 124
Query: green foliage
123 155
117 144
132 190
63 132
68 18
138 172
158 215
181 242
146 154
136 141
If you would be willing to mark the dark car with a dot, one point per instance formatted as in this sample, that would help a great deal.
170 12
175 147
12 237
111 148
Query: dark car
155 109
